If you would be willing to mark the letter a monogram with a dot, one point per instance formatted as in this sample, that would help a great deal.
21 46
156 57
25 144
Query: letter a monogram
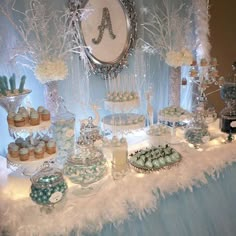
105 23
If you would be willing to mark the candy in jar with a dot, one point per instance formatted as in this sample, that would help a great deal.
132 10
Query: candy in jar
64 132
48 186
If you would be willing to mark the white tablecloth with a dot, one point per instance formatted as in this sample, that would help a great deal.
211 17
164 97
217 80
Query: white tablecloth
115 200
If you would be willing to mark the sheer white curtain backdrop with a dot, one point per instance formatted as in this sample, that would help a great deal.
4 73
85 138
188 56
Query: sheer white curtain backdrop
79 91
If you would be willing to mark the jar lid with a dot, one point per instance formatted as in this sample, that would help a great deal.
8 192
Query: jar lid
90 124
47 176
89 133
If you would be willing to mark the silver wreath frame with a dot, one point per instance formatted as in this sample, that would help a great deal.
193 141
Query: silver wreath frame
110 69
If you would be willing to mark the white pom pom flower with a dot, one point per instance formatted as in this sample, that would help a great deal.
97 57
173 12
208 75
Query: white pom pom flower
51 70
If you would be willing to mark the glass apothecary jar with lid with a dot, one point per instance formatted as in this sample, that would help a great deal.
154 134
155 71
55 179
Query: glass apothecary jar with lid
63 129
89 131
48 186
228 117
86 167
197 131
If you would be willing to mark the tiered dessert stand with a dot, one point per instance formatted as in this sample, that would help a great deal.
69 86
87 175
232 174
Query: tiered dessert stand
11 104
122 119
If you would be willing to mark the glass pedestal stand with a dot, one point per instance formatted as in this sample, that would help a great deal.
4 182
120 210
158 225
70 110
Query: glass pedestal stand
174 139
11 103
27 168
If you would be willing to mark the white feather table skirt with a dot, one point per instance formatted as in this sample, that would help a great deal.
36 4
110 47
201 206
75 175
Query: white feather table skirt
116 200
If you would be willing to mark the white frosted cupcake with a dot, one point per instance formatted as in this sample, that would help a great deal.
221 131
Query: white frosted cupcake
11 148
24 154
51 147
40 111
10 118
25 115
45 116
14 150
34 118
43 145
19 120
31 150
38 152
22 109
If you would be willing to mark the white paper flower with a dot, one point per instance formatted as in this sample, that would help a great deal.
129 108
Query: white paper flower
51 70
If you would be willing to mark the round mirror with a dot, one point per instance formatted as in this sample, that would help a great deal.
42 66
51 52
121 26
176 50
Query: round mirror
108 33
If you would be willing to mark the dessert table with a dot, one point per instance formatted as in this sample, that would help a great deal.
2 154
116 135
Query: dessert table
195 197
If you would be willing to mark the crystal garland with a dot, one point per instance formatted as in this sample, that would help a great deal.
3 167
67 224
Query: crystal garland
174 86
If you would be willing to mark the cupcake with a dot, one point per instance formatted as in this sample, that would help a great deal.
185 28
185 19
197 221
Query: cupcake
10 146
34 118
25 115
45 116
31 150
43 145
14 151
10 118
51 147
32 110
22 109
38 152
40 111
19 120
24 154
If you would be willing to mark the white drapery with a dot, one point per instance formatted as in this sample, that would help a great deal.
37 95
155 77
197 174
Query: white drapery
81 91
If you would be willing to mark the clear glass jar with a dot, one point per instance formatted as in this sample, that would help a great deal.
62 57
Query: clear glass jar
63 127
89 131
48 186
86 166
228 118
228 114
119 150
206 109
197 131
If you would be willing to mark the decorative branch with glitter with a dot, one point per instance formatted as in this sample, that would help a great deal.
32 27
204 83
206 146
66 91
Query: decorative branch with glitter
169 29
46 36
